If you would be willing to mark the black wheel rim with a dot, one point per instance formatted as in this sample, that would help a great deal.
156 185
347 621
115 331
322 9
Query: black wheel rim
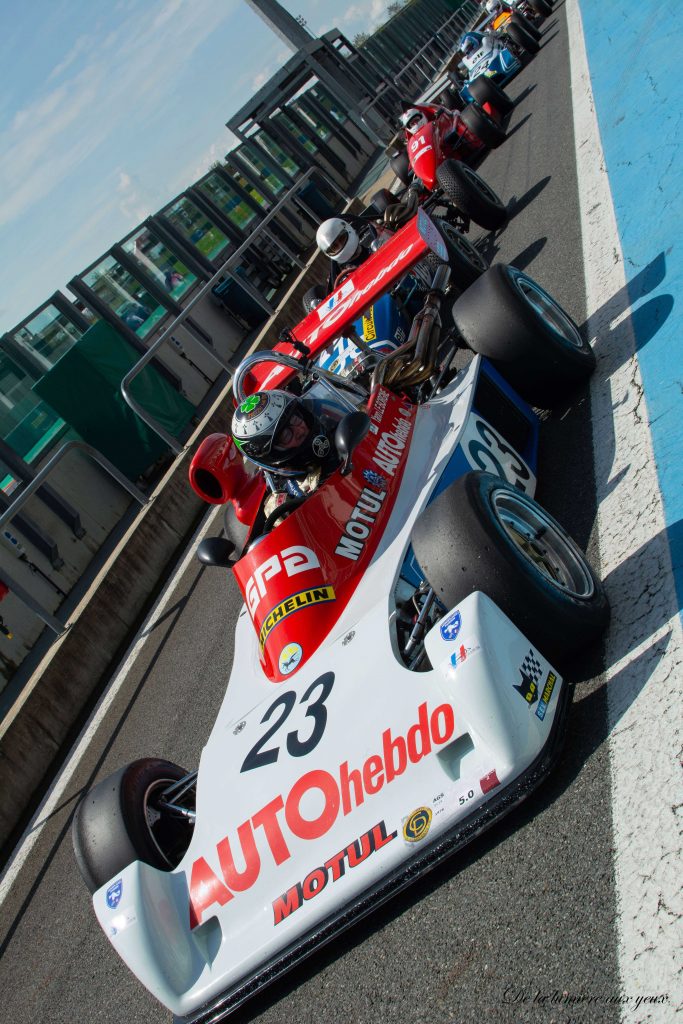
467 250
481 186
543 543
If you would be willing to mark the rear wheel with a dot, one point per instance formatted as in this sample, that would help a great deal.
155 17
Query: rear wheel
484 534
522 38
470 193
526 26
313 297
483 126
465 261
486 91
509 318
451 99
122 820
542 7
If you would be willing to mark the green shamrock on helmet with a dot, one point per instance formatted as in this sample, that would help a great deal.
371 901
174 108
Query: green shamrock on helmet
250 404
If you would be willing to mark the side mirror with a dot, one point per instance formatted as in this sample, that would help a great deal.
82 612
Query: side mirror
216 551
349 435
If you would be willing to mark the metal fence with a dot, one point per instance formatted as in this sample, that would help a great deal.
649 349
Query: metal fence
417 74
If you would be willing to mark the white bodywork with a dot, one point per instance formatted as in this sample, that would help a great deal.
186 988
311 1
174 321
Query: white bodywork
465 730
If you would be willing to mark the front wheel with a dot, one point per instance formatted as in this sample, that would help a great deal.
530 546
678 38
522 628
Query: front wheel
522 38
465 261
484 534
483 126
469 192
123 819
313 297
509 318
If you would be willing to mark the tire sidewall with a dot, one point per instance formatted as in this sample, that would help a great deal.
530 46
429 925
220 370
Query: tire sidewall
558 624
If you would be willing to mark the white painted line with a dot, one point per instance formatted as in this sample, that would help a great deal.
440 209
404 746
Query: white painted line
56 791
645 646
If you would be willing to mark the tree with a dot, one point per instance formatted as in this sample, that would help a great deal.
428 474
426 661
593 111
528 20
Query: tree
394 8
361 38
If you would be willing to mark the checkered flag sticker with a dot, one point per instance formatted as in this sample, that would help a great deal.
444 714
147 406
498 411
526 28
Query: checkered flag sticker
531 672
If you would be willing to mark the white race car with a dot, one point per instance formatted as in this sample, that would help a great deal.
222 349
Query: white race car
397 682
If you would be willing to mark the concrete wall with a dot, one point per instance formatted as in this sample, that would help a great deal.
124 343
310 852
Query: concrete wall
79 664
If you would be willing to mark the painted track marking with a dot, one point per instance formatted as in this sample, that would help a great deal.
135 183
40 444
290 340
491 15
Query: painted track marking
644 646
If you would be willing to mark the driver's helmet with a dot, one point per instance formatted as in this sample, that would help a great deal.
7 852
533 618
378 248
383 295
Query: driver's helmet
280 432
494 7
413 119
337 239
468 43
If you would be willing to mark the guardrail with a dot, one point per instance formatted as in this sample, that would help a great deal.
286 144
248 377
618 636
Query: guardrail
56 624
147 418
454 27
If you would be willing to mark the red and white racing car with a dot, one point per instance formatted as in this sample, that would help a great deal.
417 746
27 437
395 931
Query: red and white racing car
398 674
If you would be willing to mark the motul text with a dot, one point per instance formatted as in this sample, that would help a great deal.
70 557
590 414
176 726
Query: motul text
282 816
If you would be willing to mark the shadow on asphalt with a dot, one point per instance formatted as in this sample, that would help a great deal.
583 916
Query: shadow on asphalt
524 94
528 255
548 39
515 206
519 125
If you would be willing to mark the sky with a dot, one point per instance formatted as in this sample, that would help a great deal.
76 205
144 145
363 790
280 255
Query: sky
109 108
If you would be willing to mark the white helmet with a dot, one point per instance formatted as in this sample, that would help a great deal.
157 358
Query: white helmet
494 6
337 239
414 119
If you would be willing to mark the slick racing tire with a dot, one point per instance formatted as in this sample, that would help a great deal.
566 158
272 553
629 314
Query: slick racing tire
509 318
117 823
313 297
465 261
483 533
451 99
400 165
526 26
542 7
470 193
521 37
483 126
484 90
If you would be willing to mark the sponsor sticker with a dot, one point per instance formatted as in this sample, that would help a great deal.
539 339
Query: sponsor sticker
359 524
489 782
321 446
291 561
450 626
114 893
290 656
331 871
531 672
417 825
254 404
546 695
268 835
463 652
304 599
375 480
369 331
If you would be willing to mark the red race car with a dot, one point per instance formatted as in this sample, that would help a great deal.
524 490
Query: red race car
440 145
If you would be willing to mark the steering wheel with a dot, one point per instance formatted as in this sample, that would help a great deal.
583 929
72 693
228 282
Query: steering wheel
284 509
